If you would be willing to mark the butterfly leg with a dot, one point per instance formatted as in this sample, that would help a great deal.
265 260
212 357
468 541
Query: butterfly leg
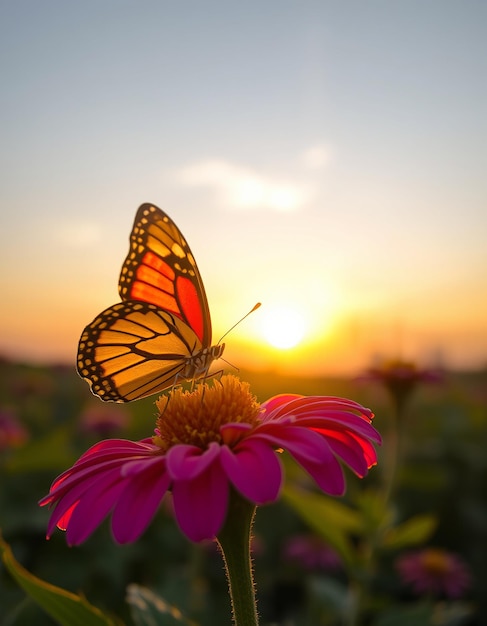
169 391
217 376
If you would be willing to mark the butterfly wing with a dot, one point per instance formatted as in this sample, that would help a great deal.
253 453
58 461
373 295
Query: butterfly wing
160 269
160 334
134 349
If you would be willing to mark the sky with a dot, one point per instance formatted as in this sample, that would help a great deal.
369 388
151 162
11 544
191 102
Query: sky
327 159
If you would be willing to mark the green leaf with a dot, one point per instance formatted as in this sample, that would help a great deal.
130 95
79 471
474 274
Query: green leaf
376 514
64 607
330 519
149 609
414 531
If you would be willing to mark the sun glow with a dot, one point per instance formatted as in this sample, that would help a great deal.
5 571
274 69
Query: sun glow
282 326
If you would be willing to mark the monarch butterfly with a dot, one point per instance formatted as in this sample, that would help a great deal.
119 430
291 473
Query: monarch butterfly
160 334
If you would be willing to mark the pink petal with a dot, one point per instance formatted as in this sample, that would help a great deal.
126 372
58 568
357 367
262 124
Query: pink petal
358 454
80 479
312 451
116 448
298 441
185 462
300 406
62 522
232 433
99 458
272 405
328 475
93 508
200 504
67 501
254 469
139 501
83 481
340 420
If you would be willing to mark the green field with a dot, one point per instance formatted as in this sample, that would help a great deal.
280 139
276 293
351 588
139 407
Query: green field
438 499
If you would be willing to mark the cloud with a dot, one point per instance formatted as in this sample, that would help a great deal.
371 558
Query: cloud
316 158
244 188
77 234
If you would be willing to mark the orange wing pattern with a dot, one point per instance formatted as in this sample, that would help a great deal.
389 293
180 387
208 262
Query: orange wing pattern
160 269
160 334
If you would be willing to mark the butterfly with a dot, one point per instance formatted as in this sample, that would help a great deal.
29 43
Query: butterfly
159 335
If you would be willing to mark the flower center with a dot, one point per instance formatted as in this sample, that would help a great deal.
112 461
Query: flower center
195 417
435 561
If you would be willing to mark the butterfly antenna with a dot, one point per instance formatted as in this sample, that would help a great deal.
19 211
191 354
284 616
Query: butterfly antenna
254 308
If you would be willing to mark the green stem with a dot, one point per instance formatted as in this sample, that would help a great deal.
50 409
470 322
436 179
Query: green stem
394 451
234 541
391 460
360 589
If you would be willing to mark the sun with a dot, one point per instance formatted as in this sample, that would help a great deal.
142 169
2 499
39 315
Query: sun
282 326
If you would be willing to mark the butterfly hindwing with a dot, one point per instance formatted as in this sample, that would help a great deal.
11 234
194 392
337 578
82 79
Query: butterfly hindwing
134 349
160 269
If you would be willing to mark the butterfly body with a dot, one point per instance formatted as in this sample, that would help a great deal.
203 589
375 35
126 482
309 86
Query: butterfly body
160 334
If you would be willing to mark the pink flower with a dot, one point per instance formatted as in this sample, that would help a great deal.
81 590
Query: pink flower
208 441
103 419
434 571
12 433
312 553
32 383
401 378
405 371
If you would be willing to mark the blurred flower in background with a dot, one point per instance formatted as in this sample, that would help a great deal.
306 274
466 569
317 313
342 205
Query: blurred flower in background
13 434
401 378
29 382
433 571
311 553
103 420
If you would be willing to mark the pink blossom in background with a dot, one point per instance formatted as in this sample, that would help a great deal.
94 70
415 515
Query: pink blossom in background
311 553
13 433
103 420
400 378
406 371
206 442
26 383
434 571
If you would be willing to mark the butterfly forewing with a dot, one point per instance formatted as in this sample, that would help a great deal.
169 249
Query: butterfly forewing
161 269
134 349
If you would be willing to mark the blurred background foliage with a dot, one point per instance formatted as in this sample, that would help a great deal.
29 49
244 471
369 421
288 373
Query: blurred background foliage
318 560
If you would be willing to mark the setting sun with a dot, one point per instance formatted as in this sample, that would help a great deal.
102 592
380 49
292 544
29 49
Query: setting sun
282 326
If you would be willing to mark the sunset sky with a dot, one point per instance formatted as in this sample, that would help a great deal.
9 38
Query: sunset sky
325 158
